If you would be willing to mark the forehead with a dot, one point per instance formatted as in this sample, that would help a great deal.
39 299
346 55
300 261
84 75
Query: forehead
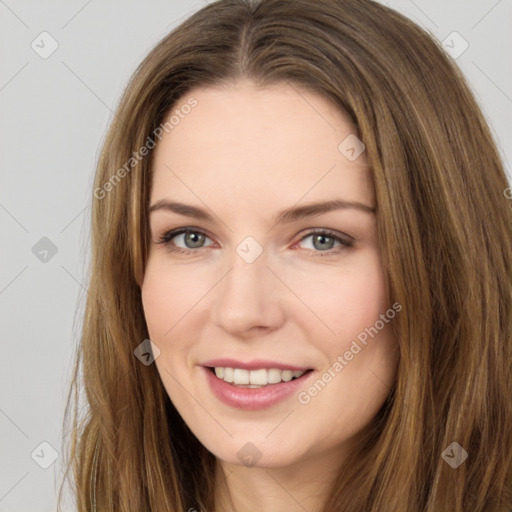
248 144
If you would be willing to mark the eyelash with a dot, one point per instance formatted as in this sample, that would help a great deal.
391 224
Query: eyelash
166 238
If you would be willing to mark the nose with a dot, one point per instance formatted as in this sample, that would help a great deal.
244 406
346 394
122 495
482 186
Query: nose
249 298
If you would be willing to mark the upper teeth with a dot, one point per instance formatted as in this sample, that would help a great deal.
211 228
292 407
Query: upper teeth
256 377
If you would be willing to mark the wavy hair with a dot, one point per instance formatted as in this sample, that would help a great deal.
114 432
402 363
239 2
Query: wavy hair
445 232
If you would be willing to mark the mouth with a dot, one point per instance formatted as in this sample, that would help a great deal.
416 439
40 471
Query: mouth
257 378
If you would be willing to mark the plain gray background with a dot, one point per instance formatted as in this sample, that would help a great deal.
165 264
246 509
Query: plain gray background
54 114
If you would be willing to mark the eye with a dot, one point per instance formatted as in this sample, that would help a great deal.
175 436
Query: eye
323 241
191 238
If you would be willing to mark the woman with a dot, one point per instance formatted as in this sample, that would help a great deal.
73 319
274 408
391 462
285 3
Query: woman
256 137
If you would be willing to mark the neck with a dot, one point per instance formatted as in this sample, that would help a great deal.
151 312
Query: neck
299 487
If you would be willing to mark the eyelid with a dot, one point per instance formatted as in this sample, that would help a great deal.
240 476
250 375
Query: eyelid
329 232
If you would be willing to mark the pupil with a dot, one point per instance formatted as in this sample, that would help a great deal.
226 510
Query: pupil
194 238
321 239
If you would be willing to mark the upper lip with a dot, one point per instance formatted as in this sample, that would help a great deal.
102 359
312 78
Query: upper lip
255 364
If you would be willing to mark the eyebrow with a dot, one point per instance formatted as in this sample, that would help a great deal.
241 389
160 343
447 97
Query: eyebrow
293 214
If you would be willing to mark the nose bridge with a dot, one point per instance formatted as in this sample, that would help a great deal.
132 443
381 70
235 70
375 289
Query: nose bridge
248 296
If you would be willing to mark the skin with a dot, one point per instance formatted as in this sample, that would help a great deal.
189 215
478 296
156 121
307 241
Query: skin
245 154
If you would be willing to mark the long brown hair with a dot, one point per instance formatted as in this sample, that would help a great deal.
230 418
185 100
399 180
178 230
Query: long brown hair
445 232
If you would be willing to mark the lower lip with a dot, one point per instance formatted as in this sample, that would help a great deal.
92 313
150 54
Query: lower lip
253 399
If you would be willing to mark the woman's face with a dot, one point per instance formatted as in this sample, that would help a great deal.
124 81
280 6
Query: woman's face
266 286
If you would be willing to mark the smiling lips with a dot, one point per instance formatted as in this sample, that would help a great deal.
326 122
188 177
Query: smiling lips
255 385
253 397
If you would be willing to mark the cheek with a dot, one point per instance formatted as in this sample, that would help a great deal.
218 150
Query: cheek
166 299
157 301
346 299
360 360
167 295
